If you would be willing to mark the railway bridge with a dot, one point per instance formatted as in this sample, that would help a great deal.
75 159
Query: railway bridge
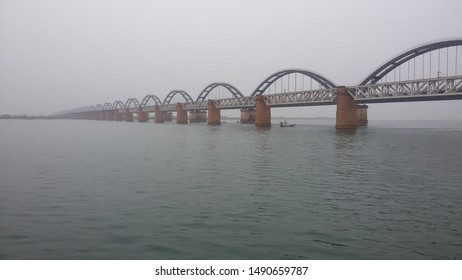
428 72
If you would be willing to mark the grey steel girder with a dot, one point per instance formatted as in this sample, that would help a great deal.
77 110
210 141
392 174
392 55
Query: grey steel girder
417 90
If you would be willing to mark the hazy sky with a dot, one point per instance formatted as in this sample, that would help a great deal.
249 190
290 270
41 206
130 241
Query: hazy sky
62 54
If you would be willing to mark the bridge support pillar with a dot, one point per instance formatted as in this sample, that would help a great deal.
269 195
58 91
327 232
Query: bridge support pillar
168 116
142 116
181 114
346 110
118 116
247 116
262 112
361 115
214 114
128 116
159 116
109 115
197 117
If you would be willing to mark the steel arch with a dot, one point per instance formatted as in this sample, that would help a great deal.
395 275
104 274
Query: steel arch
398 60
92 108
99 107
130 101
234 91
107 106
118 105
175 92
153 97
271 79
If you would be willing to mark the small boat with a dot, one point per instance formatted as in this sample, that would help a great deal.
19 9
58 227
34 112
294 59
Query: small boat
286 124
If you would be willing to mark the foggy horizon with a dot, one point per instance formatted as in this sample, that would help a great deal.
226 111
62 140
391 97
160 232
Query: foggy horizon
60 55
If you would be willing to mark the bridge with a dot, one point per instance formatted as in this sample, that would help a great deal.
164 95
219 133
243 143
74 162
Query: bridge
428 72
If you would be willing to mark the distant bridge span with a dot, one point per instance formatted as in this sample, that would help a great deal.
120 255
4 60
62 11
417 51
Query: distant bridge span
424 73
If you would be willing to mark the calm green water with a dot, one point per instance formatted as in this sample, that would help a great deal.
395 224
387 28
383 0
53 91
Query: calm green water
116 190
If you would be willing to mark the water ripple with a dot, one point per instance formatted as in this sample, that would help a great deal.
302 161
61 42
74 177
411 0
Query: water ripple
229 192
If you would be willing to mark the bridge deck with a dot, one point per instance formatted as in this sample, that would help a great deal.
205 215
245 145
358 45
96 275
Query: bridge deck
446 88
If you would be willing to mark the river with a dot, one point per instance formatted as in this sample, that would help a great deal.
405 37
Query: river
74 189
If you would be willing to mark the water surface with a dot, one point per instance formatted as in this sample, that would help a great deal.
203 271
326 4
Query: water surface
73 189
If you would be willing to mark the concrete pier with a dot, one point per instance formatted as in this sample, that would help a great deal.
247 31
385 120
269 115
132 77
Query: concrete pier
214 114
248 115
262 112
361 115
346 110
118 116
109 115
159 116
142 116
181 114
168 116
197 116
128 117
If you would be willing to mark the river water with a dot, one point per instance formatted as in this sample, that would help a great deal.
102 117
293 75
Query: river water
72 189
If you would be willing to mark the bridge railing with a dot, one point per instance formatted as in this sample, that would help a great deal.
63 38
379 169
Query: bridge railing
427 89
198 105
235 103
301 98
148 109
167 107
134 110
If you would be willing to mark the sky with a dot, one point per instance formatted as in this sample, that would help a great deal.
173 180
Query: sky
61 54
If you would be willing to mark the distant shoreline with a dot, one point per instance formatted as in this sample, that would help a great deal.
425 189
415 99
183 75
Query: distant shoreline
25 117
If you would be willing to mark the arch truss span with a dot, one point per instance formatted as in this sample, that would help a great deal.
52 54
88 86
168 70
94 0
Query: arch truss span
132 105
118 105
107 106
419 51
146 99
146 107
205 93
174 93
447 88
321 80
